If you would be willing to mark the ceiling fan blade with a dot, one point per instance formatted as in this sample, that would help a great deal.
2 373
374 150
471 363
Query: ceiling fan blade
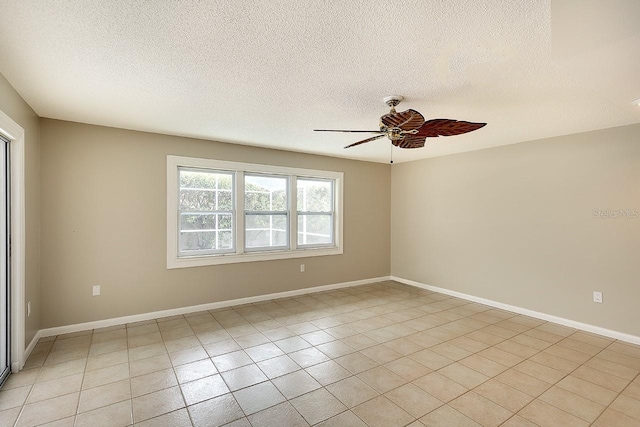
409 141
447 127
349 131
365 140
405 120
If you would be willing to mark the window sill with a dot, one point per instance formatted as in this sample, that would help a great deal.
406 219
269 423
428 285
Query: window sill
199 261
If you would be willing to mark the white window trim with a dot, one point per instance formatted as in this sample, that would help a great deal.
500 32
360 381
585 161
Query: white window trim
174 261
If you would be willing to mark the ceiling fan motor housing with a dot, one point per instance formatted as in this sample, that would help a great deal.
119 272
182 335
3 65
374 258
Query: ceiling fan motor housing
393 133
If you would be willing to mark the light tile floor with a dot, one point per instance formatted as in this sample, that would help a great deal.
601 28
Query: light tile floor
378 355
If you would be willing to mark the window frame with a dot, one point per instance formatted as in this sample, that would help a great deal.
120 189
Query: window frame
175 260
181 253
286 213
330 213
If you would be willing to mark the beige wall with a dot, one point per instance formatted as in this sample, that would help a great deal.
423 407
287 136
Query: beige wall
104 223
12 104
515 224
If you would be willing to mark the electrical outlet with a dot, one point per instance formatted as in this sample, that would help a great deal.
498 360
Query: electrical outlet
597 297
301 268
29 309
96 290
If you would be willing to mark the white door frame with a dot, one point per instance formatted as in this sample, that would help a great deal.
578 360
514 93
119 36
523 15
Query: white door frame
16 134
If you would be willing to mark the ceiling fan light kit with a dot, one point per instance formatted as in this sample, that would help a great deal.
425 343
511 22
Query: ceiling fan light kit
409 129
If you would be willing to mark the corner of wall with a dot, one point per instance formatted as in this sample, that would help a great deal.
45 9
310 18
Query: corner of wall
12 104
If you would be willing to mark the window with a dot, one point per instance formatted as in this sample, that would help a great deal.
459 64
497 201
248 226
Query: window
315 212
226 212
266 208
206 211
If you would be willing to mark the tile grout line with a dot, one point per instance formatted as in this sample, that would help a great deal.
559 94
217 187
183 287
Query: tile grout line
565 376
126 337
619 393
568 374
173 368
75 416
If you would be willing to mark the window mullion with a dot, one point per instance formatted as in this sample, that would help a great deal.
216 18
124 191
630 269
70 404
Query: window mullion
239 212
289 209
293 208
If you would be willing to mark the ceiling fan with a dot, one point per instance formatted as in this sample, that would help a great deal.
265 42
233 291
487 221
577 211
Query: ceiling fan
408 129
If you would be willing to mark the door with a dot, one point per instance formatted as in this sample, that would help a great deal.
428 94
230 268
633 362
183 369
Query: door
5 262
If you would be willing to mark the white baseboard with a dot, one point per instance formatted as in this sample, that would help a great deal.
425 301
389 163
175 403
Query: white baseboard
17 365
247 300
531 313
32 345
58 330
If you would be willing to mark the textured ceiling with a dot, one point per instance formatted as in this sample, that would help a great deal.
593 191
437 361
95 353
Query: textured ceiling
267 73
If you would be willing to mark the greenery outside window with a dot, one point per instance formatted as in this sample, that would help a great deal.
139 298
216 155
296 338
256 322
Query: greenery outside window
221 212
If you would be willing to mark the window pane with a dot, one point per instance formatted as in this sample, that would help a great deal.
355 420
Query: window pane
315 195
197 200
264 231
205 222
197 222
198 241
225 239
315 229
225 222
265 193
205 191
206 241
225 200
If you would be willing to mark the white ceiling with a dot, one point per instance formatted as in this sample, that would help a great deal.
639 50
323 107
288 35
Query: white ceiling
267 73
